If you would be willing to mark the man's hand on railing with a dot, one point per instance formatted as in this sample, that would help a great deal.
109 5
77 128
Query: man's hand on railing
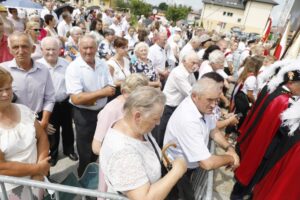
236 158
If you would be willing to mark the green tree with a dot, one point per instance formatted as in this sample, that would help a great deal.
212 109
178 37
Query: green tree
175 13
138 7
120 4
163 6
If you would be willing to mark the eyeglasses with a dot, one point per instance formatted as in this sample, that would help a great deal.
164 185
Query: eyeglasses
37 29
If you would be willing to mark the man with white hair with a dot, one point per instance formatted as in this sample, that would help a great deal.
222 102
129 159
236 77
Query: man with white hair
117 26
192 46
216 64
89 83
32 83
178 86
61 116
191 126
157 55
63 28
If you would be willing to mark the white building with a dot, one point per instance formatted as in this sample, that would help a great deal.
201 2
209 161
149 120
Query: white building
248 15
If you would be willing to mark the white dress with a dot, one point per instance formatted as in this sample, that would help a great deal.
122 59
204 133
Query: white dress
19 144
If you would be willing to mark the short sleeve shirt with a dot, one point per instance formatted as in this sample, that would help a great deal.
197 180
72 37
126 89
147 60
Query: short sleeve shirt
250 84
190 130
128 163
80 77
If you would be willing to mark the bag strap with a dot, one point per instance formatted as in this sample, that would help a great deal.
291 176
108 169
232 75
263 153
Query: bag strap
156 152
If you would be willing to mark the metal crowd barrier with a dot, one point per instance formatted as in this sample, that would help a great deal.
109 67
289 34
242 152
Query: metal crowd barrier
56 187
202 181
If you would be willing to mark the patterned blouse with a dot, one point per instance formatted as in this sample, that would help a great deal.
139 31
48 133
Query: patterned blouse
145 68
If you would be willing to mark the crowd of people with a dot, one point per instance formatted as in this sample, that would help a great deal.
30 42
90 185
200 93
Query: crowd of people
131 90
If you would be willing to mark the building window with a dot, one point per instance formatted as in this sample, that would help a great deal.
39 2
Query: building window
229 14
239 20
224 13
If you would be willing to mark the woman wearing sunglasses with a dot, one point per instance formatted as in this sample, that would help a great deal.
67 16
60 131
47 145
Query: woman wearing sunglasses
33 30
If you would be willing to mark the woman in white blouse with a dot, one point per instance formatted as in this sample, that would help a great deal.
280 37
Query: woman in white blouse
119 63
130 157
24 144
245 91
50 25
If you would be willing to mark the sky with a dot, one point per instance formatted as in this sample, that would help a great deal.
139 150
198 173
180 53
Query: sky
197 4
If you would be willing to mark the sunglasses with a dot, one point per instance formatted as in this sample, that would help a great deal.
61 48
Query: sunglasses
37 29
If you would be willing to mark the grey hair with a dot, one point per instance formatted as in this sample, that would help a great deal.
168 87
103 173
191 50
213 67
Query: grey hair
217 56
85 37
74 29
134 81
141 45
144 99
191 55
195 39
50 38
19 34
204 85
108 31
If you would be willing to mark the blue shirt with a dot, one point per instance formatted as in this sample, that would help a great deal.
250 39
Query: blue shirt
34 88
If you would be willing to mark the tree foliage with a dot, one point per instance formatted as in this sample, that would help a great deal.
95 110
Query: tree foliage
163 6
139 7
120 4
175 13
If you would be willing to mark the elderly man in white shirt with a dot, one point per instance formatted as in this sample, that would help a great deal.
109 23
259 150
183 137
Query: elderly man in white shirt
178 86
158 57
192 46
61 115
48 9
64 26
88 83
191 125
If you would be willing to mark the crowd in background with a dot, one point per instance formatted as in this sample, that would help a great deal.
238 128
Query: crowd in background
117 82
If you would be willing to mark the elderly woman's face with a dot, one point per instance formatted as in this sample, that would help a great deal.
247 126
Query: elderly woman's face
76 35
146 122
6 93
142 53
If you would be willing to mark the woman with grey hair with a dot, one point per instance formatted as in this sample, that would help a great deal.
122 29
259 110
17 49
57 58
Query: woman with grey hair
105 49
71 46
130 158
144 65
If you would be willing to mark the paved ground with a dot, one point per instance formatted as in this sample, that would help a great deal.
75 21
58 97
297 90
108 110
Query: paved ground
223 182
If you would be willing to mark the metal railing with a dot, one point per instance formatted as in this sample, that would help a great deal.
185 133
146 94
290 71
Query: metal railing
56 187
202 181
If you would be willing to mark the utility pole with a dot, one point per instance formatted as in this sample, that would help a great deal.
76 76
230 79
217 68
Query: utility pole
285 13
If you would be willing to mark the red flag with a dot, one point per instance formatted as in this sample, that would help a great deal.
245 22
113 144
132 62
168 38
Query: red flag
267 30
282 44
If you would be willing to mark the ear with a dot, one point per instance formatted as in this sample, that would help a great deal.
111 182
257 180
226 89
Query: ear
33 48
137 115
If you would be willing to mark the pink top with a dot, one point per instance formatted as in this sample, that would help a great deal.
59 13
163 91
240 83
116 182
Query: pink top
112 112
5 54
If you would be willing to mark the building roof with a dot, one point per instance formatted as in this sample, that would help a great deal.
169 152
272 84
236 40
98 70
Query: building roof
239 4
268 1
227 3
